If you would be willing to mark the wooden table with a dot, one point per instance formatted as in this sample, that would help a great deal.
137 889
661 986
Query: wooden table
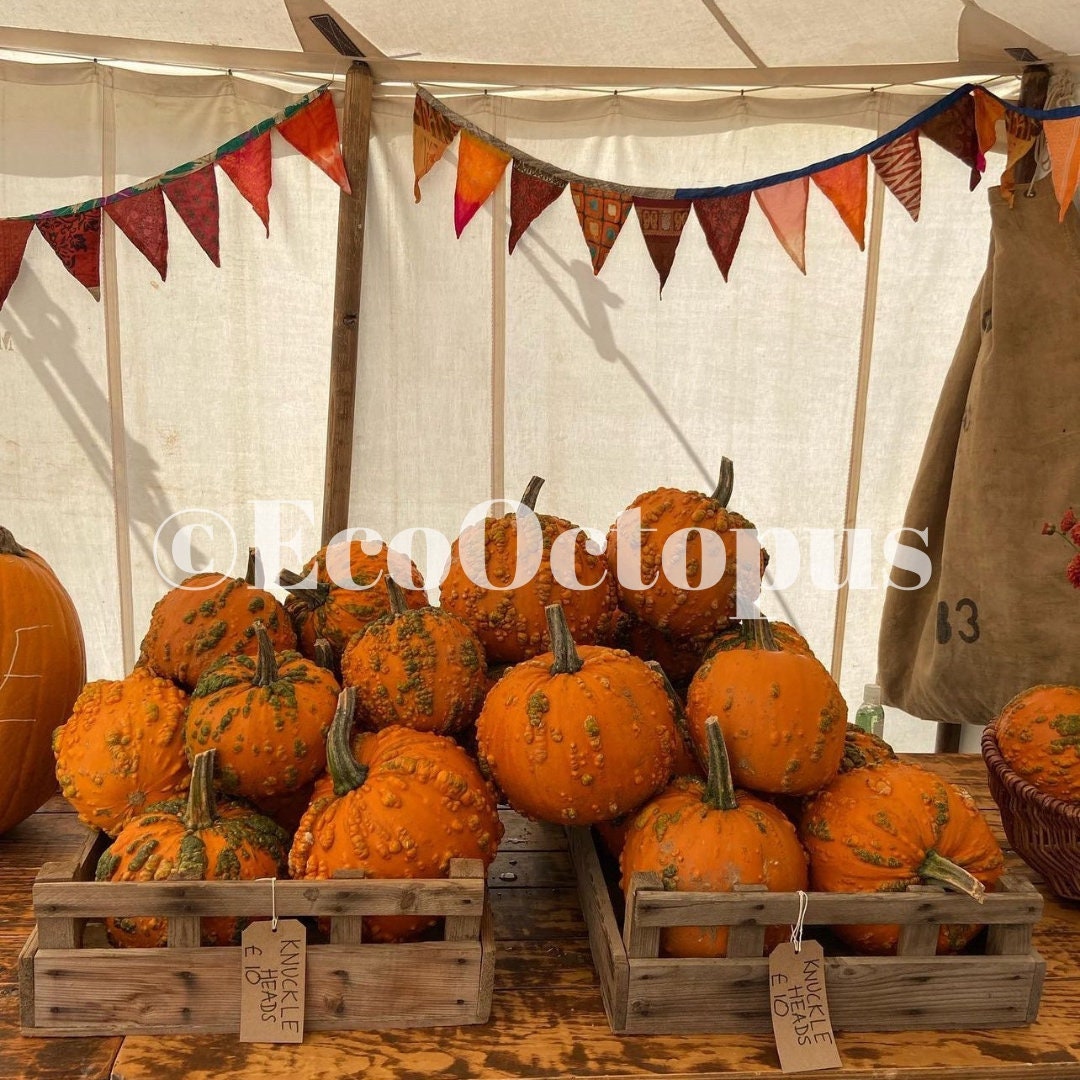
547 1017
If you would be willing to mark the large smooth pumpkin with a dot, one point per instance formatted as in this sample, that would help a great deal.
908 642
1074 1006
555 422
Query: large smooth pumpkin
42 670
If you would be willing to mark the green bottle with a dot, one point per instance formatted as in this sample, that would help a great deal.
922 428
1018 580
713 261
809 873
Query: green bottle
871 715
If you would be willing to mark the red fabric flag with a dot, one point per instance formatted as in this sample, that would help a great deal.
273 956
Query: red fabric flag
314 132
955 130
76 239
785 207
13 237
845 187
249 169
141 218
530 195
722 219
899 164
479 169
601 214
1063 144
432 134
195 199
662 222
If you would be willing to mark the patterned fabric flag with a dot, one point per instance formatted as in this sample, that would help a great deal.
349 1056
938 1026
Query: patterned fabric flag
479 170
601 214
988 111
899 164
662 222
1020 134
785 207
722 219
76 239
314 132
141 218
1063 143
13 237
845 187
432 134
531 194
195 199
954 130
250 171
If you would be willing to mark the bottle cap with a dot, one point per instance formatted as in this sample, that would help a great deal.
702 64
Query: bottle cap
872 694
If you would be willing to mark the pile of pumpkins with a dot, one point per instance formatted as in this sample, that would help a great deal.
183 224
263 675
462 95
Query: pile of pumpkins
360 728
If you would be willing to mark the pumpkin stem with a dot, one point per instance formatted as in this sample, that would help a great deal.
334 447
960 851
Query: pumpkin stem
9 545
266 671
719 787
311 598
532 491
567 660
935 867
763 635
676 704
346 772
324 655
398 604
201 805
252 566
726 482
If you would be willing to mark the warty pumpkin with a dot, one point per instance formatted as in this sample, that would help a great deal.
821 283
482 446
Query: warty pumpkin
887 826
267 716
395 803
422 668
42 669
704 836
679 657
122 749
739 634
577 736
509 620
862 748
197 839
782 715
1038 735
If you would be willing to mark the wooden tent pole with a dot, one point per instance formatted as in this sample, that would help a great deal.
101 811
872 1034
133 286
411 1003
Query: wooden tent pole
1033 86
347 279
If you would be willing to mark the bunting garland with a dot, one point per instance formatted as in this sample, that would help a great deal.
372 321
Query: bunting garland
74 232
963 122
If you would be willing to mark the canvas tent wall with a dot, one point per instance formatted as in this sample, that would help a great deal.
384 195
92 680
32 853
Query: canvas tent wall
476 370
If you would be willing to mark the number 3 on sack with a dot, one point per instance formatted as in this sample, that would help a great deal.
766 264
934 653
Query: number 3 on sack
968 632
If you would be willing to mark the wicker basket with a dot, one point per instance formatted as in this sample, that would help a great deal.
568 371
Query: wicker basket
1043 831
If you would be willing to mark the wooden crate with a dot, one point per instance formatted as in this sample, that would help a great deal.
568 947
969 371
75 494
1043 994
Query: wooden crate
647 994
72 983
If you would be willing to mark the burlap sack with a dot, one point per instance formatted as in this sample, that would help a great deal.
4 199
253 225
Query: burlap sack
1003 456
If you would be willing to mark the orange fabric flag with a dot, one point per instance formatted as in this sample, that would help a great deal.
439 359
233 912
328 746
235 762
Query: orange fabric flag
785 207
845 187
479 169
1020 134
314 132
249 168
141 218
988 111
601 214
1063 143
899 164
432 134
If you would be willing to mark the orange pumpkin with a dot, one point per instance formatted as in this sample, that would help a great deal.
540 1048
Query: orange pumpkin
704 836
42 668
509 619
887 826
200 839
679 657
122 749
686 761
781 713
740 635
1038 735
396 803
577 736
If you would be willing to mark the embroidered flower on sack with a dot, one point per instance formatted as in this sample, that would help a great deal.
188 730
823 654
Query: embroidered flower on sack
1068 528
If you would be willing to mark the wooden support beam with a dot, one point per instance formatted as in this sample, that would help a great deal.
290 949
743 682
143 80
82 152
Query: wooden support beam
347 281
1033 86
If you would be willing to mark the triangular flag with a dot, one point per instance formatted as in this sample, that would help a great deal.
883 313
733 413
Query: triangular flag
76 239
899 164
314 132
954 130
844 186
432 134
195 199
1020 134
530 195
988 111
722 219
249 169
13 236
785 207
141 218
662 222
1063 143
479 169
601 214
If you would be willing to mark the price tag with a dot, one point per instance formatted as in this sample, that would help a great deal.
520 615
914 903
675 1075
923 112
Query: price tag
273 961
800 1011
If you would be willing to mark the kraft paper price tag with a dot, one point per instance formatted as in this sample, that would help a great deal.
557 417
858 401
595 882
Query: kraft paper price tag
800 1011
273 964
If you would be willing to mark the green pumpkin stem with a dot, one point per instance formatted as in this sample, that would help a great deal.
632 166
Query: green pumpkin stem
725 484
310 597
324 656
266 671
531 492
676 703
346 772
398 603
763 635
567 660
252 566
935 867
719 787
9 545
201 810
